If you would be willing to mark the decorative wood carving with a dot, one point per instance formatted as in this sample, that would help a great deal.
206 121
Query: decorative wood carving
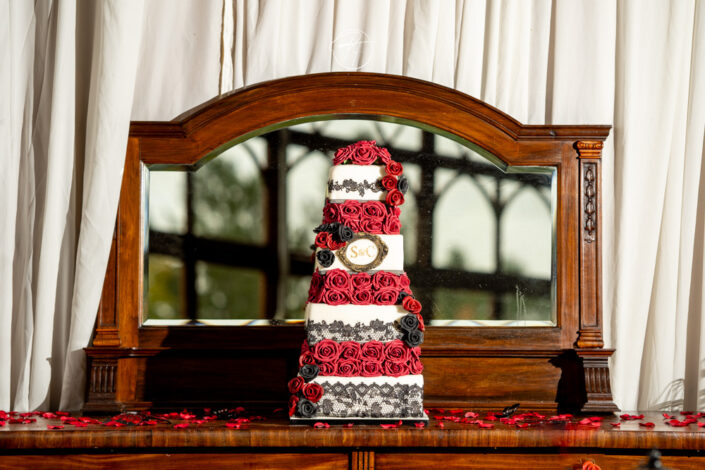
195 366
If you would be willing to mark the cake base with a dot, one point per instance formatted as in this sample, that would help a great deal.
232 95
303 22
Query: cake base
406 420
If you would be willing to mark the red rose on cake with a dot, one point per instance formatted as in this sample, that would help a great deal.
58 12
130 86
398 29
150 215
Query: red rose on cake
371 369
389 182
330 213
350 351
371 225
350 209
293 401
386 296
337 279
306 358
395 197
326 350
365 153
343 154
314 291
361 281
385 280
394 168
326 368
312 392
374 210
372 351
396 369
347 368
411 305
396 351
392 226
295 384
321 240
361 297
336 297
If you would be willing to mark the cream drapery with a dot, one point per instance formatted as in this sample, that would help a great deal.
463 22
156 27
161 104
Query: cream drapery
639 65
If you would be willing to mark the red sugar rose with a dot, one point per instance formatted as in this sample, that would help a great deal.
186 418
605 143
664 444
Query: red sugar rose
415 366
389 182
386 296
293 401
343 154
384 155
394 168
315 288
411 305
331 213
326 368
373 210
371 225
305 347
350 351
334 245
365 152
396 351
361 281
306 358
394 211
337 279
395 197
295 384
354 224
326 350
347 369
351 209
336 297
371 369
395 369
403 280
372 351
392 226
321 240
361 297
385 280
312 392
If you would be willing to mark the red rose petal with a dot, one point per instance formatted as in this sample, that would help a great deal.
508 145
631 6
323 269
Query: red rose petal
49 415
470 414
647 425
441 425
181 426
420 425
701 425
233 425
523 425
55 427
320 425
486 425
348 425
62 413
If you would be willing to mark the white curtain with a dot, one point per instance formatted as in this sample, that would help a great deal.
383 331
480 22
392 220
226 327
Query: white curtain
639 65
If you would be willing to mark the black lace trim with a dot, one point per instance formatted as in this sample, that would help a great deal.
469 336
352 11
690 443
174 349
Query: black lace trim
346 400
351 186
376 330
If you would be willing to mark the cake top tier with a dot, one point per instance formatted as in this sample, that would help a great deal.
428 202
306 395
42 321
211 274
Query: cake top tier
364 152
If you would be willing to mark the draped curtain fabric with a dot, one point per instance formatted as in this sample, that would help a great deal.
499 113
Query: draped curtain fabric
74 69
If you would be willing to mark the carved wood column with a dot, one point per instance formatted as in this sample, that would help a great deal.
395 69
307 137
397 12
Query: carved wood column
590 342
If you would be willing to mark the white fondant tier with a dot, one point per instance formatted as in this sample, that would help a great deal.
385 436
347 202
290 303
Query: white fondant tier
371 397
351 314
358 182
394 261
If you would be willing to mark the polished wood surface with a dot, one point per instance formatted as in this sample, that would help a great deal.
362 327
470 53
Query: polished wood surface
278 433
133 366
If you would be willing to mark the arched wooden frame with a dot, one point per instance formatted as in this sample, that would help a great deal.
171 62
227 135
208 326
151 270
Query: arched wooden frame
134 366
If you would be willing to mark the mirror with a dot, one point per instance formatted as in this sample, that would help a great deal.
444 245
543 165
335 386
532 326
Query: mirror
228 242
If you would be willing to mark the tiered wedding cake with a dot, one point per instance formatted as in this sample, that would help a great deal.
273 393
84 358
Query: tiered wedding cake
361 358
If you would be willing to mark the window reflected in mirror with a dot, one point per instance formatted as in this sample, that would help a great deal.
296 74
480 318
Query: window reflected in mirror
229 242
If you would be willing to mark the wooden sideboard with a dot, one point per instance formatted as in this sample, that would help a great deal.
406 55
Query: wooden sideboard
273 443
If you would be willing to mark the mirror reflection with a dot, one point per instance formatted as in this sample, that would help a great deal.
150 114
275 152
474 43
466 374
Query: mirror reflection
229 241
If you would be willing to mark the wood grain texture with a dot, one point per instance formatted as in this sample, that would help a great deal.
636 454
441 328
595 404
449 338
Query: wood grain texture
553 461
176 461
278 433
535 365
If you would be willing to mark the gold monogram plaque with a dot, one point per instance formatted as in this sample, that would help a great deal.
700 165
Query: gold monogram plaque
364 252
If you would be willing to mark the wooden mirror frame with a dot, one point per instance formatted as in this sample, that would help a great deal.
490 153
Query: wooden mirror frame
131 366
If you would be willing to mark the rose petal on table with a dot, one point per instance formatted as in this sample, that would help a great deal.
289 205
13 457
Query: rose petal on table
320 425
181 426
54 426
647 425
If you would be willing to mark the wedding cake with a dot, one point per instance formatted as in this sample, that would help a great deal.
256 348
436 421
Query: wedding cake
361 356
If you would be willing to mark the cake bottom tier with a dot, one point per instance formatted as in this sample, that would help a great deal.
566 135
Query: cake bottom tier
371 397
